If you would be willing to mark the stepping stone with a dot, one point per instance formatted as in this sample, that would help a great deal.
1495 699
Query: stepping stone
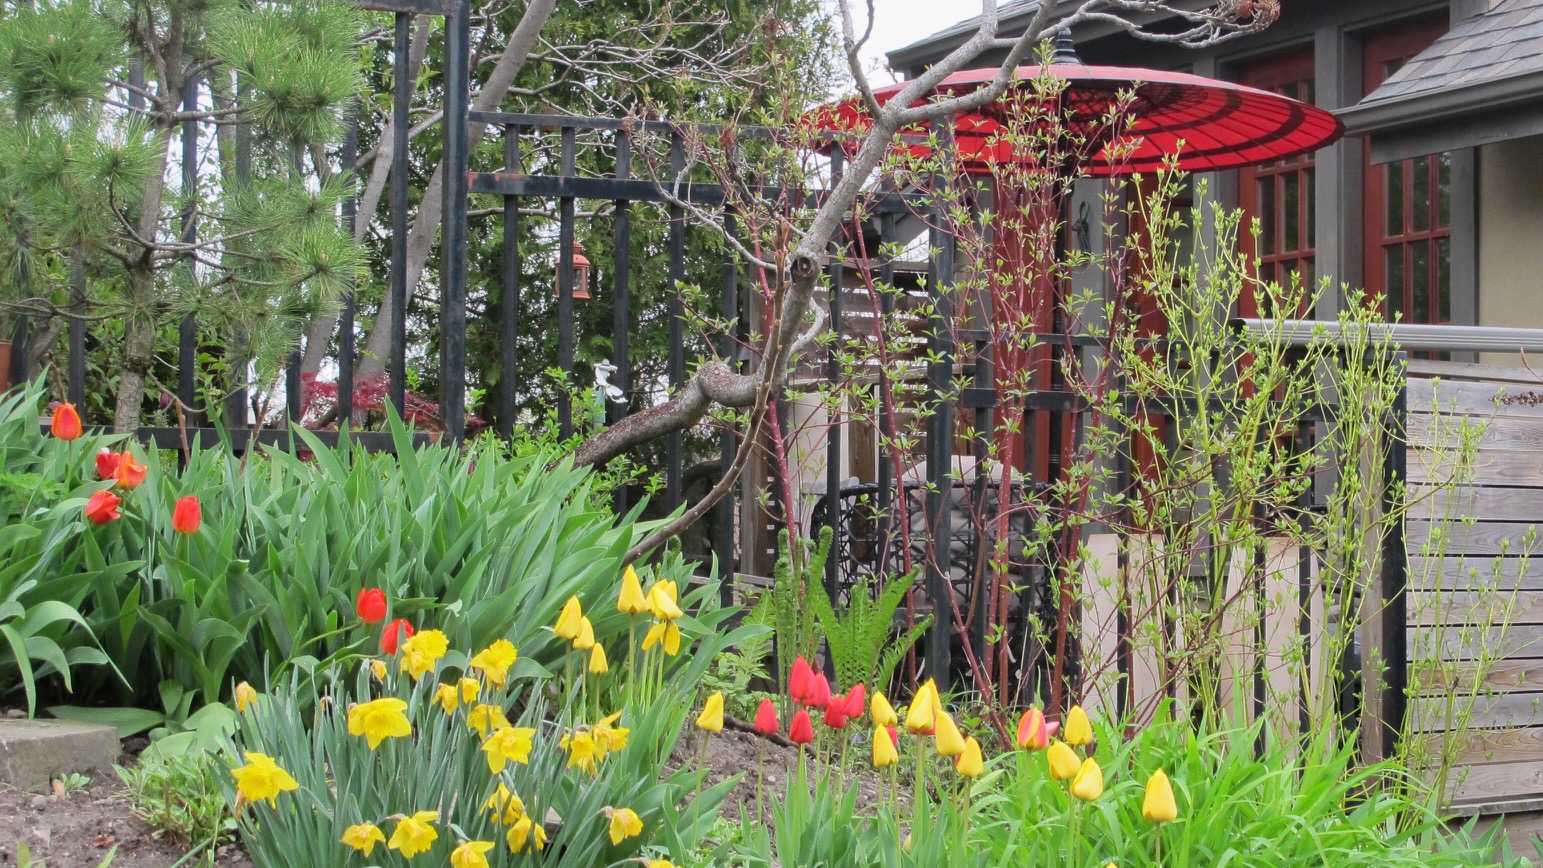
34 752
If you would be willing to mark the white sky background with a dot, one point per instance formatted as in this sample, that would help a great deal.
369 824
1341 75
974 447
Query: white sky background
898 23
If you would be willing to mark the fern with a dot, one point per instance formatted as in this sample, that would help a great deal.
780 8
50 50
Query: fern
862 641
797 633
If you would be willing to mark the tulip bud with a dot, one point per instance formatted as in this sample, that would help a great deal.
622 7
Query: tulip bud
798 681
819 691
836 713
855 699
130 473
396 631
586 638
969 763
598 665
1033 734
766 718
103 507
1159 806
186 516
1078 730
106 464
948 740
1063 761
919 716
883 712
631 601
371 605
1089 782
802 730
885 753
711 718
568 620
65 424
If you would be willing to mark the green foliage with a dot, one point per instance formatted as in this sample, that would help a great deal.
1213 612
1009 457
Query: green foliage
792 616
180 796
487 542
862 639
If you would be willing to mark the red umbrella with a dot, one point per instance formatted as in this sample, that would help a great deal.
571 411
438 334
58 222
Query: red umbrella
1210 124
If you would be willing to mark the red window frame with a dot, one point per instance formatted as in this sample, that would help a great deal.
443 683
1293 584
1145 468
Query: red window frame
1403 262
1280 194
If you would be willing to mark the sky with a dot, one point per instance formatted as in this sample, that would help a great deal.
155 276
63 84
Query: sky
901 22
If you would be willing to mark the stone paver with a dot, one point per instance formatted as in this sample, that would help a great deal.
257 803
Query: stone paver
33 752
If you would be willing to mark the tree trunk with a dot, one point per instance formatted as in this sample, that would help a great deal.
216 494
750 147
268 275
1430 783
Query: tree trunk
139 325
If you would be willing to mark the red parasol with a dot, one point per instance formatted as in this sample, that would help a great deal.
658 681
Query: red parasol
1210 124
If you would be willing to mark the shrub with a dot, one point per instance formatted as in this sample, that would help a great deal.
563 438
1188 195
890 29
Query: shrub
180 795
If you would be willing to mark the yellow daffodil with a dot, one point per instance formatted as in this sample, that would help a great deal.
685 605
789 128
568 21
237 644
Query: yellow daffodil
661 601
505 806
379 720
885 753
261 778
947 738
363 837
470 689
665 632
584 751
586 638
711 718
246 695
422 652
1063 761
568 620
446 697
494 661
525 832
471 854
631 601
660 863
378 670
1089 782
612 738
1158 805
598 665
486 718
969 763
506 744
624 823
919 716
883 712
415 834
1078 730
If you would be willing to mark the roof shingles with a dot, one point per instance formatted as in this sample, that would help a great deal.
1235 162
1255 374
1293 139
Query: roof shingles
1506 41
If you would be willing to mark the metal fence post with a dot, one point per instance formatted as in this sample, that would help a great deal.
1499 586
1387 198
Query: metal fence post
453 242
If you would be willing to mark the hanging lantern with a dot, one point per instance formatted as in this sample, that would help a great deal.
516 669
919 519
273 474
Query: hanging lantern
580 274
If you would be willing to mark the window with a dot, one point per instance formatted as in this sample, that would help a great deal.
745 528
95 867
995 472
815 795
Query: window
1280 194
1408 203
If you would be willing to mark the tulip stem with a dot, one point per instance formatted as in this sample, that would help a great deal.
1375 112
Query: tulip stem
1076 829
760 774
921 778
1159 860
632 654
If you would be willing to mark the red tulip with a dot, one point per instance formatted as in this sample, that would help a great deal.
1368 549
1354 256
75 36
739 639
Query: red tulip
395 631
106 464
66 423
802 730
102 507
766 718
798 681
836 712
857 697
371 607
187 516
819 691
894 735
130 473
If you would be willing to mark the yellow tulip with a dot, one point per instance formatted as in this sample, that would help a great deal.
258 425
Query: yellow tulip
1078 730
471 854
664 632
1159 806
261 778
586 638
1089 782
1063 761
970 764
885 754
632 601
662 602
947 738
246 695
379 720
625 823
598 665
415 834
568 620
363 837
494 661
711 718
883 712
919 716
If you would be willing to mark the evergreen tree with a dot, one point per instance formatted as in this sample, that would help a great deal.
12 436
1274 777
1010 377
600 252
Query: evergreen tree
96 96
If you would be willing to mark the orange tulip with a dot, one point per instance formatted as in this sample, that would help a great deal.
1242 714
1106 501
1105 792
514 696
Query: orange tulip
66 423
187 516
130 473
103 507
1033 732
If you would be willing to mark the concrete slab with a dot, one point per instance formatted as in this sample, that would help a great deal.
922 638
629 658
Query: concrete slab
34 752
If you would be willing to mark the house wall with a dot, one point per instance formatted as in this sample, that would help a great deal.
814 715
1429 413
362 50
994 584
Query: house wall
1510 257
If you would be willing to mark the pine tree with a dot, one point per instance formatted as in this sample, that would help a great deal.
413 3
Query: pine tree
94 95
